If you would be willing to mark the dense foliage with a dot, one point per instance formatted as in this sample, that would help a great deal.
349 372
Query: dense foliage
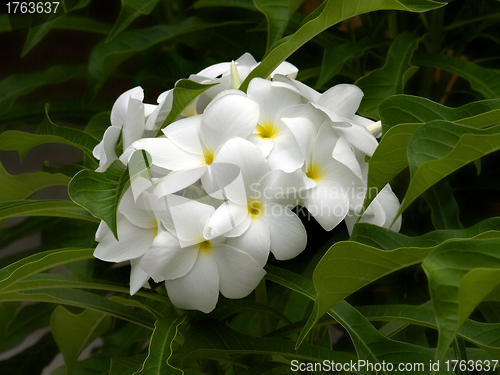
427 294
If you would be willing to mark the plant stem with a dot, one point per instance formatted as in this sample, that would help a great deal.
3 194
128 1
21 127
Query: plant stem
261 297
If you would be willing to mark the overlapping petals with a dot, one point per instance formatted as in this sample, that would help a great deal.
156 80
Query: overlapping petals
227 176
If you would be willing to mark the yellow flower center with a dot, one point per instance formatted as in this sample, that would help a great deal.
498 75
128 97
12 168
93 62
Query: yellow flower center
209 156
266 130
254 209
206 246
314 171
154 227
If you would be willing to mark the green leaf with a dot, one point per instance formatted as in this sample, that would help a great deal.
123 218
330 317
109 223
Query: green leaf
245 4
384 239
407 109
369 343
333 12
444 208
47 132
185 92
58 208
56 281
439 148
484 335
484 80
73 333
106 57
401 116
126 365
160 346
277 13
209 338
391 78
334 58
98 124
72 110
348 266
35 35
40 262
460 276
130 10
83 299
18 84
100 192
22 186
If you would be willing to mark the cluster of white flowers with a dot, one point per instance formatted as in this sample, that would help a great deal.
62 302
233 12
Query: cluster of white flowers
227 174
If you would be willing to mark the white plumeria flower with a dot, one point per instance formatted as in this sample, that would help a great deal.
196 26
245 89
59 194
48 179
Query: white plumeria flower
340 104
255 218
222 74
381 211
128 117
137 228
191 144
272 135
328 182
194 268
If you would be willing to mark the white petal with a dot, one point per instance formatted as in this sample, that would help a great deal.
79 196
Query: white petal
199 288
178 180
288 235
255 241
138 278
247 157
286 154
239 273
166 260
227 117
343 99
160 113
185 134
134 213
264 144
345 154
227 217
134 123
189 218
328 203
272 100
280 187
106 148
359 137
167 155
286 69
134 242
324 144
119 110
225 181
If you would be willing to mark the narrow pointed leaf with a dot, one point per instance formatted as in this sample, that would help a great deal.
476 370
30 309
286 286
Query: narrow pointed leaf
334 58
40 262
213 338
83 299
19 84
47 132
130 10
84 327
439 148
461 274
391 78
484 80
58 208
160 347
333 12
22 186
401 116
484 335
